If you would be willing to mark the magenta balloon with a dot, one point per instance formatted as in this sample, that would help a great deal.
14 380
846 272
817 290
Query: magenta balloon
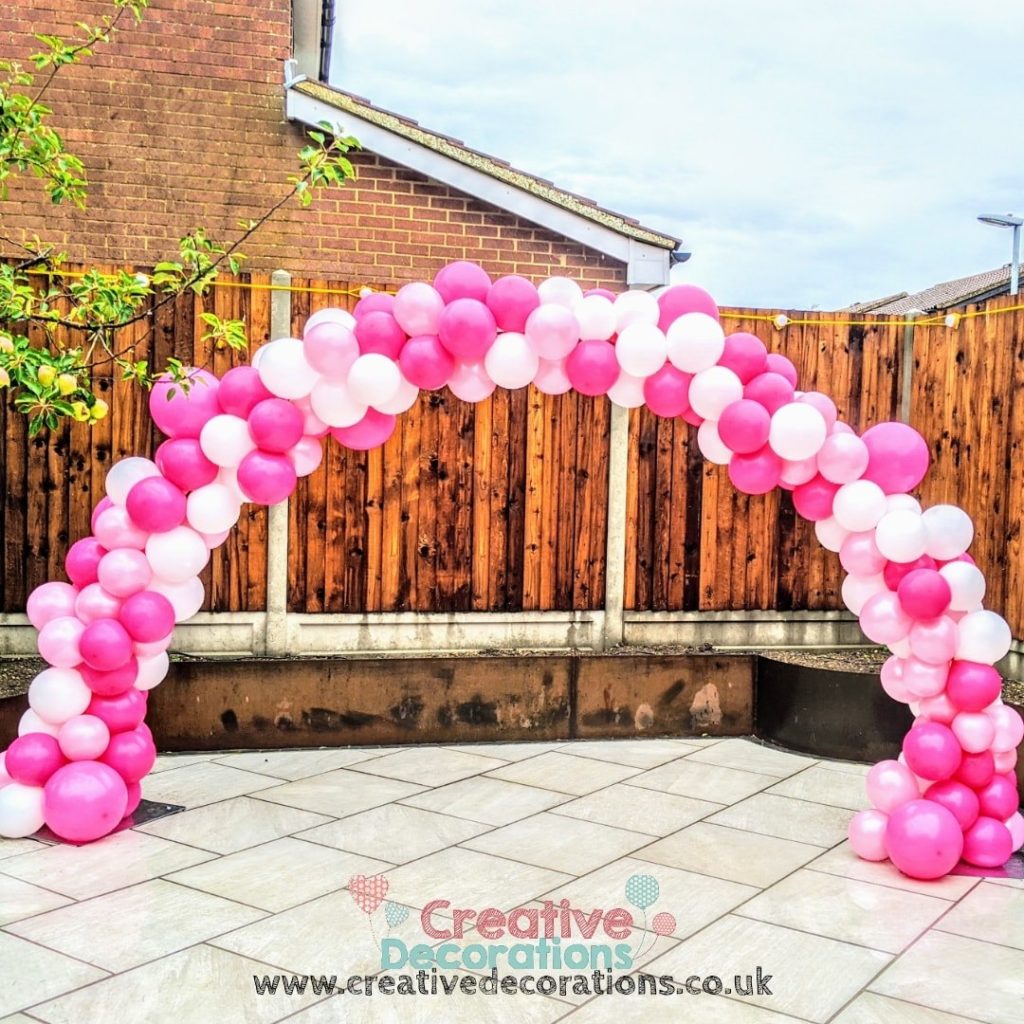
896 572
467 329
972 687
112 683
462 280
674 302
883 621
240 390
425 362
923 839
605 293
50 601
592 367
783 367
744 425
31 759
987 843
961 801
512 299
122 712
82 561
932 751
266 477
147 616
182 460
95 603
105 645
331 348
999 798
275 425
131 754
181 414
757 473
134 798
813 500
379 332
375 302
667 391
84 800
745 355
116 529
860 555
370 432
155 505
124 571
897 457
101 506
976 770
772 390
924 594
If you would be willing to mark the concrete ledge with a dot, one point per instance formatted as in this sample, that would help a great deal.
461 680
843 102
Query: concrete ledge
743 629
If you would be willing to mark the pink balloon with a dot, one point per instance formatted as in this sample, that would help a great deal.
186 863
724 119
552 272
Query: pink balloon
105 645
860 555
180 414
823 404
462 280
938 709
605 293
889 785
84 800
757 473
469 382
418 308
374 302
924 594
987 843
275 425
182 460
112 683
961 801
1009 728
783 367
932 751
370 432
684 298
976 770
972 687
51 601
924 679
883 621
892 680
425 362
147 616
134 798
552 331
772 390
266 477
95 603
332 348
83 559
813 500
895 572
592 367
999 798
58 642
467 329
666 391
744 425
745 355
131 754
898 457
154 504
306 456
1004 761
31 759
379 332
923 839
867 835
116 529
934 641
512 299
83 737
119 713
842 458
145 651
974 731
101 506
1015 826
551 378
124 571
240 390
795 473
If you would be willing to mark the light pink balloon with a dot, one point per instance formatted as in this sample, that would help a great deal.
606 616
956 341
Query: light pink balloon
124 571
924 679
1004 761
312 425
418 308
115 528
1009 729
83 738
552 331
859 554
58 642
796 473
867 835
934 641
95 603
882 619
843 458
306 455
470 383
938 709
823 404
889 785
891 676
551 378
51 601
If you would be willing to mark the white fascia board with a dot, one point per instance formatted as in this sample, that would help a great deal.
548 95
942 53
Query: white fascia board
646 265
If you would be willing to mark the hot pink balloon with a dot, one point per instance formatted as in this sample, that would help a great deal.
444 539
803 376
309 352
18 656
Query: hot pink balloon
116 529
999 798
813 500
961 801
131 754
512 299
867 835
31 759
592 367
467 329
684 298
95 603
772 390
266 477
860 555
783 367
83 559
119 713
932 751
182 461
976 770
882 619
50 601
889 785
666 391
923 839
147 616
332 348
156 505
379 332
425 362
898 457
124 571
924 594
58 642
84 800
105 645
370 432
374 302
83 738
745 355
275 425
112 683
180 414
462 280
987 843
757 473
973 687
744 425
240 390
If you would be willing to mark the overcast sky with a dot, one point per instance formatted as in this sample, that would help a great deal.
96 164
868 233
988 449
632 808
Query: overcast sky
808 152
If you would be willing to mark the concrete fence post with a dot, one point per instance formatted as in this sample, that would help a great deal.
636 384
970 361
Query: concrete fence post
276 635
615 550
907 364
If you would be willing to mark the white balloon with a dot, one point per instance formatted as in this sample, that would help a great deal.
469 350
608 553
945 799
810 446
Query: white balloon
641 349
983 637
213 508
712 390
511 361
330 316
225 440
596 316
405 398
901 536
797 431
373 379
283 369
711 445
186 598
859 506
57 694
178 554
966 583
152 671
31 722
902 501
628 391
950 531
830 534
21 810
333 403
635 307
857 590
696 342
228 477
125 474
561 291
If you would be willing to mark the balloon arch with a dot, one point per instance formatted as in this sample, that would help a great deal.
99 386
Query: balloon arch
83 747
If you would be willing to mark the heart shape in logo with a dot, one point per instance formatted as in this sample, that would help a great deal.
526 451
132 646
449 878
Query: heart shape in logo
368 892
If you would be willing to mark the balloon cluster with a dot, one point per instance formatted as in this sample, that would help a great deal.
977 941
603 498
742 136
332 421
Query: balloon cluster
83 746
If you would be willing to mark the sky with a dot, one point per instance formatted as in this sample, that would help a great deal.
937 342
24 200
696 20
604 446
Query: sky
810 153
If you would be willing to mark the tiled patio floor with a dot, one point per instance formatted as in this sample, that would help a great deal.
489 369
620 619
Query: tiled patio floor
169 922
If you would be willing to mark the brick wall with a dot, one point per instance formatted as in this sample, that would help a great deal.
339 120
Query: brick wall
180 122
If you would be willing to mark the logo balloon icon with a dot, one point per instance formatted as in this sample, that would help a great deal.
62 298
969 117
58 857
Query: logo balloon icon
395 913
642 890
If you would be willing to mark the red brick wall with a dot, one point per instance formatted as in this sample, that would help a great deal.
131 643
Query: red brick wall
180 122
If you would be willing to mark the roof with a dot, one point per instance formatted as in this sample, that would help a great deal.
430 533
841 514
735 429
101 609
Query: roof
500 170
944 295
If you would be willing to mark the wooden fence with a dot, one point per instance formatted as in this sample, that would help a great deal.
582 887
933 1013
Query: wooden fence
502 506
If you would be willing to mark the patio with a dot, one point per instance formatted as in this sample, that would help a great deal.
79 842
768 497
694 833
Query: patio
171 921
